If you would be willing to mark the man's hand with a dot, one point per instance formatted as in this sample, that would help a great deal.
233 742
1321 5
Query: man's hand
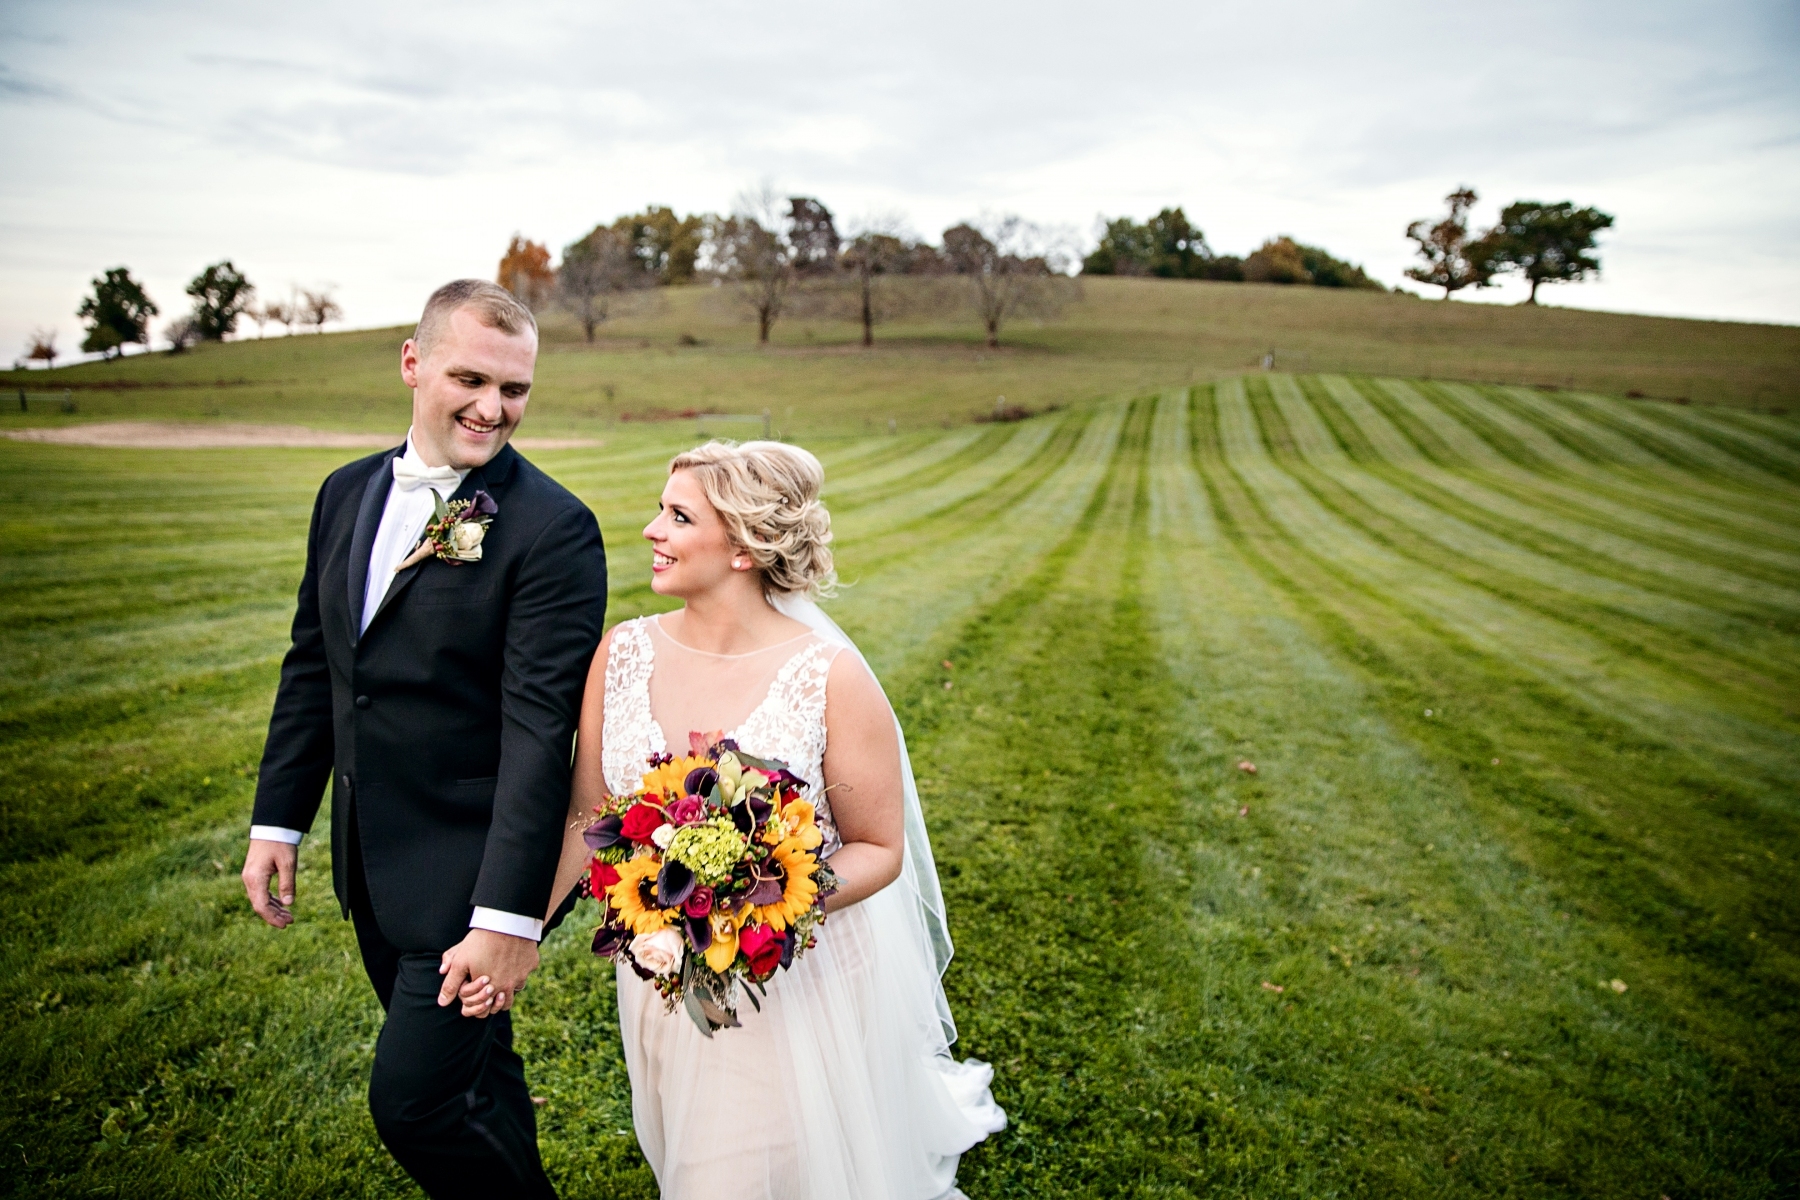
487 969
264 862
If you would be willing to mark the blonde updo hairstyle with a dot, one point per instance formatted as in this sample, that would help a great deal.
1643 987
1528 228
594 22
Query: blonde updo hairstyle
767 493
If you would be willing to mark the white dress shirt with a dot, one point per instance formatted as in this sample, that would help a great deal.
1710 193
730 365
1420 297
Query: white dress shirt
409 508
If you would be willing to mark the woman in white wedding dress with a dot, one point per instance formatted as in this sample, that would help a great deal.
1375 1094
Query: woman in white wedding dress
842 1087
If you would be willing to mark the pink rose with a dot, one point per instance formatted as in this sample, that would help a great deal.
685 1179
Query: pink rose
687 810
699 902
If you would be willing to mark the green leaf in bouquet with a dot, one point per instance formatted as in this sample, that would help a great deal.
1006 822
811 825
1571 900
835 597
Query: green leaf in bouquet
690 1000
771 765
690 995
439 510
721 1018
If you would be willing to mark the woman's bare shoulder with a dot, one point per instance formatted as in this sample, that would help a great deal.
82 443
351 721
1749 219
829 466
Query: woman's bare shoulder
851 688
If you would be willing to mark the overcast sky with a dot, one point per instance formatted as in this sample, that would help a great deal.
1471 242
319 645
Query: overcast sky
383 150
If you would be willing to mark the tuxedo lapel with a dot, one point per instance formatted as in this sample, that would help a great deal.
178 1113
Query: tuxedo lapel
482 479
362 540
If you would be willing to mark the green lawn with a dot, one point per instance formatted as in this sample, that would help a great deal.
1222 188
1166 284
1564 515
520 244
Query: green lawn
1517 671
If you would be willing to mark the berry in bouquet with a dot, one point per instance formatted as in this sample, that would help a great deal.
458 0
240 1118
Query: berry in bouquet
709 876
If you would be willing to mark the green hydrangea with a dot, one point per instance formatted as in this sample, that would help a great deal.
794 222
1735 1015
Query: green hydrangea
710 849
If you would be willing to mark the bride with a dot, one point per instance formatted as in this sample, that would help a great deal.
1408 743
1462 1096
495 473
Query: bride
842 1085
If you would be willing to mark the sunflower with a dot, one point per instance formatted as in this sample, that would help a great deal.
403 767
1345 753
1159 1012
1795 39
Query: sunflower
799 890
670 780
627 896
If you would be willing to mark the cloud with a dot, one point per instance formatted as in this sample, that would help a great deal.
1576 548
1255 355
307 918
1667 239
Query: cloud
386 145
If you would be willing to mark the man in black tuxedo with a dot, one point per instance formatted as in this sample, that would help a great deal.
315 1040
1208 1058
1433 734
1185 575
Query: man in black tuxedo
440 699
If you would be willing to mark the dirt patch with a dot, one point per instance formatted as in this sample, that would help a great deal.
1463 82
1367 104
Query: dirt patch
169 435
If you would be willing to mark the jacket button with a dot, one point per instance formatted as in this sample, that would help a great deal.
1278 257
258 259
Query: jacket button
346 779
363 702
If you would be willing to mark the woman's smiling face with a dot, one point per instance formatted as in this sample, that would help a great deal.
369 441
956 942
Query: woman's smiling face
691 550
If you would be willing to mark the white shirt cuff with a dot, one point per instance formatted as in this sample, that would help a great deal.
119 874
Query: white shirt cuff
495 921
275 833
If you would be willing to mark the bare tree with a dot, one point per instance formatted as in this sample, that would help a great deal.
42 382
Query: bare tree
181 333
284 313
878 247
597 270
318 308
1012 269
749 249
41 347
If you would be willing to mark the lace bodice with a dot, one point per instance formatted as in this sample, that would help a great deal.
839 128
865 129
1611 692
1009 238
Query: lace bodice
789 723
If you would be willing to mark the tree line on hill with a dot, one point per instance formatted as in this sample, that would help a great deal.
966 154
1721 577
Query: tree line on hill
786 256
116 313
1542 243
1168 246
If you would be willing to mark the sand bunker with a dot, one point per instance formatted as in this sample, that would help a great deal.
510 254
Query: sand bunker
170 435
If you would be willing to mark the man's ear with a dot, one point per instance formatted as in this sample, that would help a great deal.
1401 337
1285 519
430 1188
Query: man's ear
409 363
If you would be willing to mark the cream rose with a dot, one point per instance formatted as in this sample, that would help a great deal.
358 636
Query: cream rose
658 953
465 539
663 835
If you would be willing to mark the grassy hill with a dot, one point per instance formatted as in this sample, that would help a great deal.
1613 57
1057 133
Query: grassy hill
1123 337
1510 906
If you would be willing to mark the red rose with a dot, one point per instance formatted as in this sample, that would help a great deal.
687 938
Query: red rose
642 820
601 875
762 946
698 903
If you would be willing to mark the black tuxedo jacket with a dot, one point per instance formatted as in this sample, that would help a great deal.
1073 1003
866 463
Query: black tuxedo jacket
445 728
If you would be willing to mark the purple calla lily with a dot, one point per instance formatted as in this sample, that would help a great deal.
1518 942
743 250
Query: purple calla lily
674 883
699 933
608 941
483 503
752 814
603 833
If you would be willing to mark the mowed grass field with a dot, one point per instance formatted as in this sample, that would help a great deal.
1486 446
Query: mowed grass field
1509 906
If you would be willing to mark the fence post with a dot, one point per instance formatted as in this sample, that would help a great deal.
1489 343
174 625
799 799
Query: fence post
765 424
22 407
68 404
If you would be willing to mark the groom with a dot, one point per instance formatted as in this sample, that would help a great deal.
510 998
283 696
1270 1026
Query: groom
440 699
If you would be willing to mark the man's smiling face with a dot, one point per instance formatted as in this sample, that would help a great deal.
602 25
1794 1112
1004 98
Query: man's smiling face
469 390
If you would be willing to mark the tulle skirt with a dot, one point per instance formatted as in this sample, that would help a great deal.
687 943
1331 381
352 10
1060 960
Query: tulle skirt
841 1088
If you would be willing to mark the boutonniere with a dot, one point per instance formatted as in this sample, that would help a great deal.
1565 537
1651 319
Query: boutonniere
456 530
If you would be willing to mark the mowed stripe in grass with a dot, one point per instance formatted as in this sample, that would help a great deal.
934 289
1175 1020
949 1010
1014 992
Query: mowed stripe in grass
1133 597
1684 866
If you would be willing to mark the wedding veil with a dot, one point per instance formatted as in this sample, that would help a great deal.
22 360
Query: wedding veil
918 871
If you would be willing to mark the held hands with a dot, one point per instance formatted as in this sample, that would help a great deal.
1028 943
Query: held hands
266 861
485 971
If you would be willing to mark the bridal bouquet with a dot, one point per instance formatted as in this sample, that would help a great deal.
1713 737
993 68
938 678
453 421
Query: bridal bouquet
710 876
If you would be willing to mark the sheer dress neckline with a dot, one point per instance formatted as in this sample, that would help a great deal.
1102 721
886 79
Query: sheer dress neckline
657 621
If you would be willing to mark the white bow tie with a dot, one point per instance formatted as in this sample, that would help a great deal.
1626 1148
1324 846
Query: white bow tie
410 475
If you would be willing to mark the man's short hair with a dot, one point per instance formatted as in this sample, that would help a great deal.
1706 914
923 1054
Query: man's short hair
492 304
